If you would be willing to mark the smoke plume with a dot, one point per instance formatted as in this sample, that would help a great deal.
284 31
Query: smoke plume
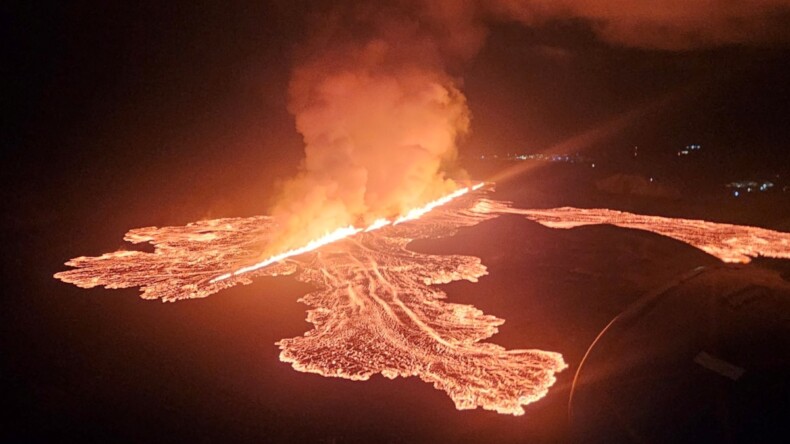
381 116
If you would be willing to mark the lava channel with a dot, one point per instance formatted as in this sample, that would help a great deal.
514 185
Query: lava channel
376 308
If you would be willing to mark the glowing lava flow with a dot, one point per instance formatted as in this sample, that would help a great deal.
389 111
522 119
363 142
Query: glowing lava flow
418 212
727 242
342 233
375 310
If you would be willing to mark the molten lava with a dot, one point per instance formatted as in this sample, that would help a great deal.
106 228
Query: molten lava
342 233
727 242
376 307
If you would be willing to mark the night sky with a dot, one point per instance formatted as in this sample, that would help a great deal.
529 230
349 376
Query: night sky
191 98
127 114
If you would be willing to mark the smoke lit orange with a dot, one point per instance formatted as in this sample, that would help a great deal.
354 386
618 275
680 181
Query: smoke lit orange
342 233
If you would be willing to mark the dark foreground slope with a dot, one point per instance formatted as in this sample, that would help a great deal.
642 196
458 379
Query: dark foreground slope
704 358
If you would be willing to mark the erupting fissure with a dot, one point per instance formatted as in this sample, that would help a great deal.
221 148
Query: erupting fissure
376 308
342 233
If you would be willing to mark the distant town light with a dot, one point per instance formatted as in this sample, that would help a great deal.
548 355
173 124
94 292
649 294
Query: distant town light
569 158
688 149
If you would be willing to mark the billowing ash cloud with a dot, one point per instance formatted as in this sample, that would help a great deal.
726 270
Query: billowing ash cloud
380 115
661 24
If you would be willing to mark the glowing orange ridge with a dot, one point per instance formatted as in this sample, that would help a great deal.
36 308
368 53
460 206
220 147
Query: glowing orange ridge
342 233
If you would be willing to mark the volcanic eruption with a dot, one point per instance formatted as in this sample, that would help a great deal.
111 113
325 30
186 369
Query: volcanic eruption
376 308
381 115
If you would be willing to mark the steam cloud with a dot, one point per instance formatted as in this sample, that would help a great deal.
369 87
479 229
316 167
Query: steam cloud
380 115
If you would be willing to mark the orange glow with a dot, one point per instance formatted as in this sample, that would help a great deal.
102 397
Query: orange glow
416 213
727 242
376 308
378 223
342 233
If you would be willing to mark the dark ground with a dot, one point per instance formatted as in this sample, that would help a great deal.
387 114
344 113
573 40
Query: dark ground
643 380
100 365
